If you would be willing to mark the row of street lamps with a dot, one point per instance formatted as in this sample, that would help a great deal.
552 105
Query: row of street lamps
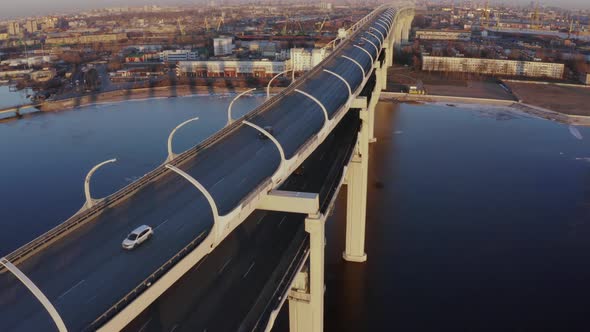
171 155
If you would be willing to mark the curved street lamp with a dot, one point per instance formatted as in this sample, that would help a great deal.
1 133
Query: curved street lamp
270 136
171 154
59 323
277 75
90 202
229 119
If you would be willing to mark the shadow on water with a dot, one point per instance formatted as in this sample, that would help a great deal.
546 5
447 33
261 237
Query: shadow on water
167 87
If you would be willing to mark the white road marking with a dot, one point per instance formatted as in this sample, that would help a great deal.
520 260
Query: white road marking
200 262
224 265
243 180
285 217
174 328
145 324
162 223
216 183
250 268
69 290
90 299
259 220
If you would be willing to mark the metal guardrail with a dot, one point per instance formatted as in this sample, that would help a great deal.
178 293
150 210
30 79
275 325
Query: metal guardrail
147 282
115 198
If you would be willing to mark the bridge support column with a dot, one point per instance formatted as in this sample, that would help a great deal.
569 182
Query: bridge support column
356 206
380 83
306 301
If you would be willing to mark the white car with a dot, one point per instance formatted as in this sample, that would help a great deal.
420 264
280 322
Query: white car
137 237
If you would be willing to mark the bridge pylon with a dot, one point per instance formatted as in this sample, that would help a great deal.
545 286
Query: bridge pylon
356 205
306 299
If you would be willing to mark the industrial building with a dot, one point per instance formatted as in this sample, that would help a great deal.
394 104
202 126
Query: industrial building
232 68
493 66
87 39
443 35
222 46
13 28
178 55
32 26
305 59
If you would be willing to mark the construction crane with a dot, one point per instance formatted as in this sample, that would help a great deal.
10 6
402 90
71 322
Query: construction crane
486 15
219 23
321 25
284 31
535 19
180 27
207 27
301 31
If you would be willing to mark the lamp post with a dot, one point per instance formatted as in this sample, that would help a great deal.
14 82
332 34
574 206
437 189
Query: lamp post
171 154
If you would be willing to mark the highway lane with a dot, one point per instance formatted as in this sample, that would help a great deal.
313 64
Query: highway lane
88 267
238 279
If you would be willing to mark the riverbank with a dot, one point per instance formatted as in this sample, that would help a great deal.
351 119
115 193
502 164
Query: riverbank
132 94
572 119
122 96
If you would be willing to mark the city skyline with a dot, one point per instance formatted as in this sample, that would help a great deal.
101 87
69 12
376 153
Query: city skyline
30 8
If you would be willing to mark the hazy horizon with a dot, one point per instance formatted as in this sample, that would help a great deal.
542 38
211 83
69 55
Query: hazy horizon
40 8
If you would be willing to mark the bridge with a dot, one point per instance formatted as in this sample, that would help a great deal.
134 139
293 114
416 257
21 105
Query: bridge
77 277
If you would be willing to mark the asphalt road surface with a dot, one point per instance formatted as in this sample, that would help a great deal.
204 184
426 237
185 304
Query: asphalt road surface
233 287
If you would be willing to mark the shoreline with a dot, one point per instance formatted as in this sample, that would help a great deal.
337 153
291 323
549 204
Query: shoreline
579 120
118 96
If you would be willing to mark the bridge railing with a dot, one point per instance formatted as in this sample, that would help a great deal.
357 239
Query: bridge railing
244 203
117 197
147 282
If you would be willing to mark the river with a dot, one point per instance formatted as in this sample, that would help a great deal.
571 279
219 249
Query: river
478 218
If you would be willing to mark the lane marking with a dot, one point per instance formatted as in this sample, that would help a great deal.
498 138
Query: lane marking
69 290
285 217
250 268
243 180
260 219
162 223
174 327
145 324
200 262
224 265
216 183
90 299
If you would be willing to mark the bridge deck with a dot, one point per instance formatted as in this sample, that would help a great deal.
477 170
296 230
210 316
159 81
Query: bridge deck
86 272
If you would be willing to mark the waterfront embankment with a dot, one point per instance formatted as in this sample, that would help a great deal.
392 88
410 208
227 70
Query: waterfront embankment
120 96
518 105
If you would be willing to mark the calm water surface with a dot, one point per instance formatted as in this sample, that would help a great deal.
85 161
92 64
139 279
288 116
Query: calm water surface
477 221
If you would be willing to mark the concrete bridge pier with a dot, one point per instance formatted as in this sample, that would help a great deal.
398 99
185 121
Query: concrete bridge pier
306 300
356 205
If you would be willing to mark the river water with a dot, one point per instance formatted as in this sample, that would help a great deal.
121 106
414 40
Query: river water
478 219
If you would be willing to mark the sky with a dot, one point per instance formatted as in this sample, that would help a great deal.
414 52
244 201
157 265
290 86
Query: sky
21 8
